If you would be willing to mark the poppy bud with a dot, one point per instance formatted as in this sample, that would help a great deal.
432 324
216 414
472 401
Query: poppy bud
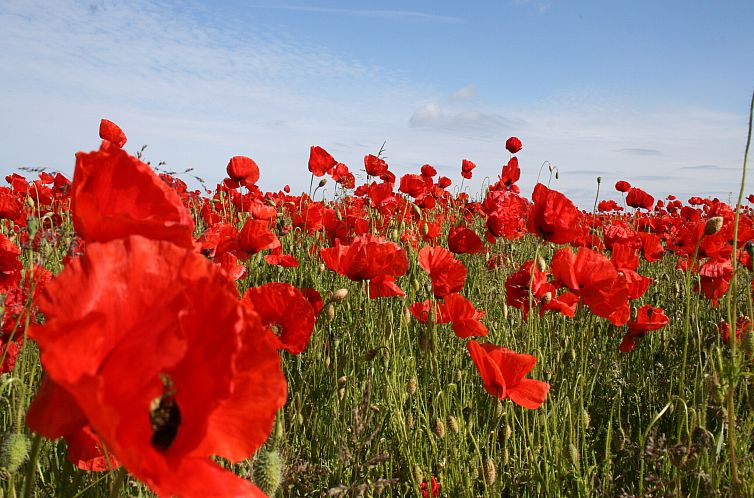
508 432
327 361
439 428
557 174
573 454
417 210
418 473
585 418
490 475
546 298
339 295
406 315
341 393
499 409
412 386
330 312
513 144
14 451
542 264
425 229
599 180
453 424
322 183
342 381
394 235
713 225
268 471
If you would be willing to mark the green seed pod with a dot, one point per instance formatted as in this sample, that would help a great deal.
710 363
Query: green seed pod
268 471
14 451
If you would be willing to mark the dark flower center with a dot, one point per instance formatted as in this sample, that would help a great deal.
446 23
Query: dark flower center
165 416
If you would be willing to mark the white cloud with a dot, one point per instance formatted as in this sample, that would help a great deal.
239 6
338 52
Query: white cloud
466 93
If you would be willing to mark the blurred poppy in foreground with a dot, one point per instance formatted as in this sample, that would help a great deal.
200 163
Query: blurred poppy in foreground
208 382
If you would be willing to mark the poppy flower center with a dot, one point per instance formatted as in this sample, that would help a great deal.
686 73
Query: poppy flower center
276 329
165 416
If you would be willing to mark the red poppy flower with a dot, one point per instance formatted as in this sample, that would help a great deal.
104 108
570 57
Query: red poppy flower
136 301
366 258
243 170
461 240
255 236
622 186
553 216
433 488
519 284
513 144
503 372
115 195
10 266
413 185
463 316
510 174
637 198
593 277
428 171
112 133
444 182
286 314
422 310
374 165
466 168
647 318
320 161
342 175
314 298
446 272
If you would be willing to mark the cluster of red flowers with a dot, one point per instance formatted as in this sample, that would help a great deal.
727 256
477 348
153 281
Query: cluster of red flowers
138 287
209 380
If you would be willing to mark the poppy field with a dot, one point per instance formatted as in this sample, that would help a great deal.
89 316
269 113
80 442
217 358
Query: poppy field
395 337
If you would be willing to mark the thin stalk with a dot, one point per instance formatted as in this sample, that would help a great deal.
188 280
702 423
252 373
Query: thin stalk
731 315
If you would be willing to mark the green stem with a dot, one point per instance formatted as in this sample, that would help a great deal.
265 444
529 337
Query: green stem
30 474
732 316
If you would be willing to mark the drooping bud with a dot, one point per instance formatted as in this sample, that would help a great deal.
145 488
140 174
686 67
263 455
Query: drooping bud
339 294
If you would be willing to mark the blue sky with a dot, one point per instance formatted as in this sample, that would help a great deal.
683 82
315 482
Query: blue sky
655 93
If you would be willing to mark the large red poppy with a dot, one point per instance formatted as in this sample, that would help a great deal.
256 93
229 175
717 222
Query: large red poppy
592 276
446 272
243 170
553 216
462 240
375 166
10 265
208 381
503 373
286 314
115 195
368 258
320 161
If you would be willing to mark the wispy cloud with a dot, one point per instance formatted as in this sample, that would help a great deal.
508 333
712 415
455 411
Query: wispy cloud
465 93
400 15
636 151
